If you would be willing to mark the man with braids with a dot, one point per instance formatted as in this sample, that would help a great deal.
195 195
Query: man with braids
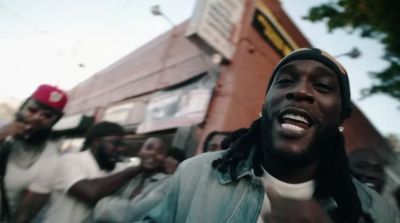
289 166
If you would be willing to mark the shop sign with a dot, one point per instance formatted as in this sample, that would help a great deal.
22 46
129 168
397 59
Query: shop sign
271 31
119 113
182 106
217 23
128 113
77 121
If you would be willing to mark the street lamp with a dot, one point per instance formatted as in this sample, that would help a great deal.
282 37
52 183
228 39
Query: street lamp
156 10
353 53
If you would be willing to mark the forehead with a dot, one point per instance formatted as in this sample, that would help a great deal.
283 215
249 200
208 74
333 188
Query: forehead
155 144
313 67
31 103
112 137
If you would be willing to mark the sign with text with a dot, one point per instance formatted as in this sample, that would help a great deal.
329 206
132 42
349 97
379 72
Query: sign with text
182 106
218 23
271 31
128 113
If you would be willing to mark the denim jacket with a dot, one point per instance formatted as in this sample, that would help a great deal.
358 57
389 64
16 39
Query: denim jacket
121 208
199 193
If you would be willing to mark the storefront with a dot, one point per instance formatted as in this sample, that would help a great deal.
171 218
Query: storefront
207 74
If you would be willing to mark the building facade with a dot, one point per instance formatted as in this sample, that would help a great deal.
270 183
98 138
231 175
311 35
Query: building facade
207 74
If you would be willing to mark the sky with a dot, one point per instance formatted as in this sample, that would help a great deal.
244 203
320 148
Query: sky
65 42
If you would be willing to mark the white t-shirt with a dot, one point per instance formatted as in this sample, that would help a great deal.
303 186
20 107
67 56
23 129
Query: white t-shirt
36 178
72 168
301 191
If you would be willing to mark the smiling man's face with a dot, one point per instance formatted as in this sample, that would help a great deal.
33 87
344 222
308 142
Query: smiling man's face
153 154
302 110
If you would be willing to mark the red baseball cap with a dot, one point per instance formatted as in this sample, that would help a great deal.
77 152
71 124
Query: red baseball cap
51 96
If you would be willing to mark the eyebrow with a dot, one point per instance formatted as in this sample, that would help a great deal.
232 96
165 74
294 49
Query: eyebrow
288 67
325 72
322 70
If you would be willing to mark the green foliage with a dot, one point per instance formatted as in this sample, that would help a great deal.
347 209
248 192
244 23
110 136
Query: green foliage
377 19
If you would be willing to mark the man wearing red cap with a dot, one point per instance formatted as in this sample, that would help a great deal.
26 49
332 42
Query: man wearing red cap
27 157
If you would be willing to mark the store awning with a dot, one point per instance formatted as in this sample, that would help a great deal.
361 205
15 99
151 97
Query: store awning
74 124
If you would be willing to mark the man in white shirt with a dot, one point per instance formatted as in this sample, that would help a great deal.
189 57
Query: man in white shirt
27 156
81 179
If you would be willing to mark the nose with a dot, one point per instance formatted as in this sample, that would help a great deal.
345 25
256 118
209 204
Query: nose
121 147
38 116
151 152
302 91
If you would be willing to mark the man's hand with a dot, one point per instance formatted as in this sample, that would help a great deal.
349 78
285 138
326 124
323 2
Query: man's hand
30 206
92 190
286 210
134 170
12 129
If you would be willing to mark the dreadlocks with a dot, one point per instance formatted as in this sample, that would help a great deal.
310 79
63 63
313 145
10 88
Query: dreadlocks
240 140
333 177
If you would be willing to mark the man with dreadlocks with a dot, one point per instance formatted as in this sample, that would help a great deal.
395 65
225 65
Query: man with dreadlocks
289 166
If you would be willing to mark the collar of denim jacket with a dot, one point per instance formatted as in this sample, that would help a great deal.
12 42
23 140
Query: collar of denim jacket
244 169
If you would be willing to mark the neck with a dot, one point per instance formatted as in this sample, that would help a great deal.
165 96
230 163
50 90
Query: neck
150 173
290 175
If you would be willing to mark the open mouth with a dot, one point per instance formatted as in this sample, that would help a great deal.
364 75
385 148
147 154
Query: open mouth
116 158
148 160
294 121
371 185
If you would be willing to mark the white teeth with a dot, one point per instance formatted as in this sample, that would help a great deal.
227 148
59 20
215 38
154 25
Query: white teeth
149 160
296 117
370 184
291 127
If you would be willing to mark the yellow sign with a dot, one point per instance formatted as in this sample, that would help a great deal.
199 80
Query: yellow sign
271 31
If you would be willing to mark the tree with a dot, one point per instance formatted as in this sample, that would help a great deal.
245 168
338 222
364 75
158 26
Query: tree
378 19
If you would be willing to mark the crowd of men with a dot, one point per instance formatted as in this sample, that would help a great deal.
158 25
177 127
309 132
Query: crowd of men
290 165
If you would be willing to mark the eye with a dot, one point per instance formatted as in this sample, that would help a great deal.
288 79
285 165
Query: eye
284 80
324 87
32 110
48 115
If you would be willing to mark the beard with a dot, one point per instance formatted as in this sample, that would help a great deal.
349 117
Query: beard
37 137
104 159
319 148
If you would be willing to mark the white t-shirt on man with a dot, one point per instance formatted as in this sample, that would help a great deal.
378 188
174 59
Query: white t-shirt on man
27 172
301 191
72 168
